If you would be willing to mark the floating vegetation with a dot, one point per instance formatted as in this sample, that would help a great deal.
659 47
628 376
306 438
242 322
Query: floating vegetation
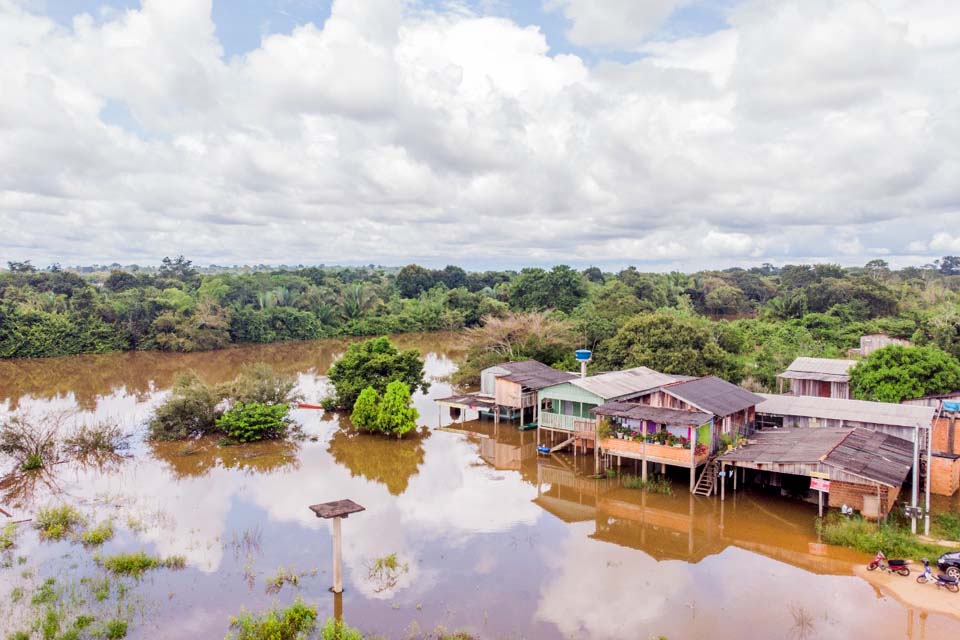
8 536
655 484
96 536
293 623
136 564
386 571
55 523
283 577
46 593
103 437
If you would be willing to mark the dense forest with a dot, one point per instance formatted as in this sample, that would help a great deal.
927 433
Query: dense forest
743 324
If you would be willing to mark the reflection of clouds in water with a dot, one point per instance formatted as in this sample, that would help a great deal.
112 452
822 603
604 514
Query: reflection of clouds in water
454 494
601 590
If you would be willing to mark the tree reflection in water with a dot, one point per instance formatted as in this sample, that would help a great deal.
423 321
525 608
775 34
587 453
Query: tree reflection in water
21 489
380 458
195 458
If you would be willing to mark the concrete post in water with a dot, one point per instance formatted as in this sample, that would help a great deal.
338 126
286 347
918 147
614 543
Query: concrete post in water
336 511
916 481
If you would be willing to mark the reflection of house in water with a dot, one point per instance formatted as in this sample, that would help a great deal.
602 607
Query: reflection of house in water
503 448
685 527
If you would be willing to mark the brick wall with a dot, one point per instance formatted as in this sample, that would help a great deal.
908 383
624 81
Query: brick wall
944 475
941 435
852 495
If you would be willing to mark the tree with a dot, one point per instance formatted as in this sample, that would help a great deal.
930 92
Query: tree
120 281
593 274
949 265
374 363
414 280
397 415
366 410
538 290
178 268
898 373
671 343
515 336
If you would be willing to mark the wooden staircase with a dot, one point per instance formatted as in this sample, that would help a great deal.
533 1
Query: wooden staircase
564 444
708 478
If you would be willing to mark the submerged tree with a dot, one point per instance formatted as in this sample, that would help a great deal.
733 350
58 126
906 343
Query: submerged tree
366 410
374 363
396 415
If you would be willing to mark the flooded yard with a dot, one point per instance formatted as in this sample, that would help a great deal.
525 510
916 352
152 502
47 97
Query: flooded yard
466 527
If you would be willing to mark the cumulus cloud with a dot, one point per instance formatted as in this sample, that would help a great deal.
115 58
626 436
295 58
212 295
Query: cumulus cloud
392 133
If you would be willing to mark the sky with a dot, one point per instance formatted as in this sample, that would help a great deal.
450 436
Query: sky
666 134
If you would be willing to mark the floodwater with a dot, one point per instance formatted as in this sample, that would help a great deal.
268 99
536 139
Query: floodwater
490 538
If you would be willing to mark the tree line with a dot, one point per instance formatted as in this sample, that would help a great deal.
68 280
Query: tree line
743 324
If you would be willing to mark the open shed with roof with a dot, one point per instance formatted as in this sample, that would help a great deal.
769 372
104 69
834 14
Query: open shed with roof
864 469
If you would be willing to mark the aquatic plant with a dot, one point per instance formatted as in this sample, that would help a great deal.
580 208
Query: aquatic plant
892 537
282 577
655 484
32 445
8 536
95 536
293 623
46 593
56 522
103 437
255 421
190 411
338 630
136 564
386 571
114 629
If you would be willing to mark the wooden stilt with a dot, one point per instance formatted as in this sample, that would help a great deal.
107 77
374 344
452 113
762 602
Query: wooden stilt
723 485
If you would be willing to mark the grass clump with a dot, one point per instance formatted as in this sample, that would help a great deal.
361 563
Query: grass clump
293 623
656 484
892 538
46 593
33 445
947 525
103 437
50 624
96 536
55 523
283 577
114 629
8 536
136 564
19 635
337 630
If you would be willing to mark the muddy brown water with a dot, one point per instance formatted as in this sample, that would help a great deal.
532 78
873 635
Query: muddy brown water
489 537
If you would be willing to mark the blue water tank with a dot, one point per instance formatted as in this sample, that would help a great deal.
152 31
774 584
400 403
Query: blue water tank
583 355
952 406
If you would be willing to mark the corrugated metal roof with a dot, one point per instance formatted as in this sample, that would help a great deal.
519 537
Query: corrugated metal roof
618 384
714 394
660 415
900 415
869 454
828 369
533 374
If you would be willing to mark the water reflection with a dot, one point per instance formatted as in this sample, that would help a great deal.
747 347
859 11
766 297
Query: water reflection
381 459
493 537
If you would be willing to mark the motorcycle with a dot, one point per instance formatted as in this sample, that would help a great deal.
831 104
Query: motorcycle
893 566
952 584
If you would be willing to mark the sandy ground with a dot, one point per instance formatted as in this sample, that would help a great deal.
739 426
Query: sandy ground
907 590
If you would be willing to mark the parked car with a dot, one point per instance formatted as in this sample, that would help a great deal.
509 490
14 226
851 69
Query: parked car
949 563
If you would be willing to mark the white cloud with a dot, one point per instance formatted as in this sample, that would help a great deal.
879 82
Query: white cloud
391 134
944 241
613 23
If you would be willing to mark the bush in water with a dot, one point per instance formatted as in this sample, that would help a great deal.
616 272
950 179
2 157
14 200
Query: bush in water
255 421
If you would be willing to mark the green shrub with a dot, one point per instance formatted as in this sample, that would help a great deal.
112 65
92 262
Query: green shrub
136 564
396 415
261 383
337 630
374 363
99 534
55 523
293 623
255 421
366 410
190 411
656 484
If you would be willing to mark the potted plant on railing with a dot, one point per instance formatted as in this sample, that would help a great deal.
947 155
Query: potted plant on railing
726 441
700 450
604 429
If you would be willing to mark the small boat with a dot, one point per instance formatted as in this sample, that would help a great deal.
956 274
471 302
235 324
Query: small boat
528 426
305 405
543 448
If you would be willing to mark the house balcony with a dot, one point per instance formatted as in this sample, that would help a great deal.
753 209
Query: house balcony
677 456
